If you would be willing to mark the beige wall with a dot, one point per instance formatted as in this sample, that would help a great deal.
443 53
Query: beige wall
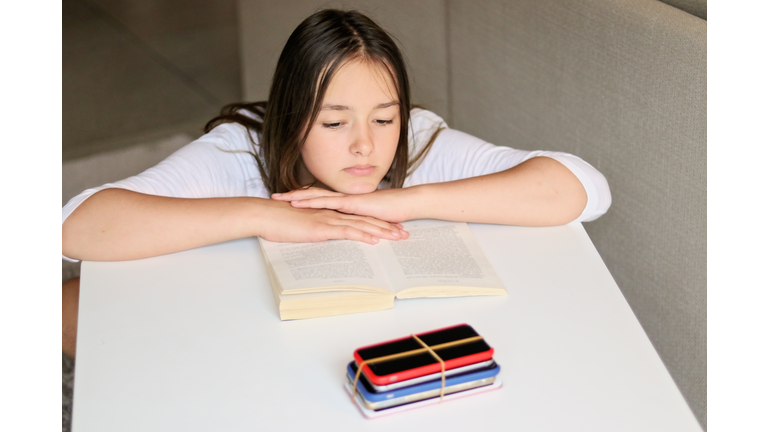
419 26
621 83
694 7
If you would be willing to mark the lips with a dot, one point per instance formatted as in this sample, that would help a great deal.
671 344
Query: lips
360 170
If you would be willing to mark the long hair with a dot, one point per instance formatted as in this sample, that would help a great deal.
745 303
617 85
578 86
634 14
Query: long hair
314 52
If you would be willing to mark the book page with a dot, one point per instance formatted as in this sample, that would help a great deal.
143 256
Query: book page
333 265
437 254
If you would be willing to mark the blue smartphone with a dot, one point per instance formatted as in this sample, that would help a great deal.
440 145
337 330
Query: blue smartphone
373 400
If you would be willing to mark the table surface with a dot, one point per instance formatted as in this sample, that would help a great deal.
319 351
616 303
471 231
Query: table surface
192 341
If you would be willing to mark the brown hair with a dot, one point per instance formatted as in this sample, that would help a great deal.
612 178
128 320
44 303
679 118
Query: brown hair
313 53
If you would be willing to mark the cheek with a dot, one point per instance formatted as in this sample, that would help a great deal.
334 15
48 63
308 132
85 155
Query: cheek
318 154
313 158
313 147
392 138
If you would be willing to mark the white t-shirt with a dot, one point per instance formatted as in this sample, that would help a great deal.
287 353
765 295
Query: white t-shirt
219 164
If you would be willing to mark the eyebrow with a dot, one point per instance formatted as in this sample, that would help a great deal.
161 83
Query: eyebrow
346 108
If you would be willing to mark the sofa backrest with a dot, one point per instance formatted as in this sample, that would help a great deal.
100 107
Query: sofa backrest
623 85
620 83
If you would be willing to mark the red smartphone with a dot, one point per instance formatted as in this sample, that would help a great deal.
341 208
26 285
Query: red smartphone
405 368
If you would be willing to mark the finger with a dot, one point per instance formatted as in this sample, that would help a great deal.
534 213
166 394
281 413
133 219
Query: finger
370 228
281 196
372 220
397 228
325 202
348 232
404 234
302 194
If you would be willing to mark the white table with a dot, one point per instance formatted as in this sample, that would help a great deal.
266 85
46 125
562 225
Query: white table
192 342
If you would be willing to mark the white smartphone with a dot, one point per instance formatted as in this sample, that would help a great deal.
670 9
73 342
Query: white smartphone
415 397
369 413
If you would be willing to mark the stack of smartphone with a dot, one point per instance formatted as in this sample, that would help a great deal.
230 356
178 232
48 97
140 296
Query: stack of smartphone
411 377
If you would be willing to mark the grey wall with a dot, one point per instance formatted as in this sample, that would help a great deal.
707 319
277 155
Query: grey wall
621 83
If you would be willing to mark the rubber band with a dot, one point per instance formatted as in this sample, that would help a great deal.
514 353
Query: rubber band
426 348
442 365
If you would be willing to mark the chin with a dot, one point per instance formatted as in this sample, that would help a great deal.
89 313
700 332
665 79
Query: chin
357 188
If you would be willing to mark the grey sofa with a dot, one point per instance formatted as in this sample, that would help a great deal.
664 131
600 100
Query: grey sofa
621 83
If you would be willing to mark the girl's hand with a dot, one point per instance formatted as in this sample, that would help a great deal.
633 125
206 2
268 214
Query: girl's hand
385 204
287 223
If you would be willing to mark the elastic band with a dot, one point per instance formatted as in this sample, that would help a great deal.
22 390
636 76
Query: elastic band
426 348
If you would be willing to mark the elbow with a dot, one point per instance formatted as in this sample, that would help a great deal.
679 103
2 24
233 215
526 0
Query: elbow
68 243
599 200
568 207
79 228
579 193
576 203
567 196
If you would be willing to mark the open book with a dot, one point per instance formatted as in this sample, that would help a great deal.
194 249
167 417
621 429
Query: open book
440 259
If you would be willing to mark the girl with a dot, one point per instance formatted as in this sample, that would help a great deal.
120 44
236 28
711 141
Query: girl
337 151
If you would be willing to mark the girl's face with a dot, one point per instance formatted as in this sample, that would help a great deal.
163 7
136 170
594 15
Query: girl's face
351 145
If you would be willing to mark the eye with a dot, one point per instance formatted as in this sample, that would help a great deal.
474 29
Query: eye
384 122
332 125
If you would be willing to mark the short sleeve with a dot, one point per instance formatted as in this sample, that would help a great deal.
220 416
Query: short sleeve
218 164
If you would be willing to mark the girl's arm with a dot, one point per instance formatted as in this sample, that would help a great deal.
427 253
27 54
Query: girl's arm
169 207
117 224
464 178
538 192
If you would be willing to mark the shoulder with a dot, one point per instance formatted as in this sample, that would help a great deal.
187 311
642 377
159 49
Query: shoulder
424 121
423 126
218 164
422 117
232 136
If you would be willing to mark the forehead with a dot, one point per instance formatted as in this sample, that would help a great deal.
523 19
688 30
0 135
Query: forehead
363 81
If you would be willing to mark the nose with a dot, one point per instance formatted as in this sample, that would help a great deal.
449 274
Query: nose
363 141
